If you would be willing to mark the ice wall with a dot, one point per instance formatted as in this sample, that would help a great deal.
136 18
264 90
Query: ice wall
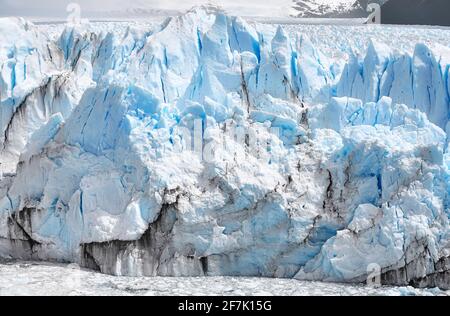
420 81
206 147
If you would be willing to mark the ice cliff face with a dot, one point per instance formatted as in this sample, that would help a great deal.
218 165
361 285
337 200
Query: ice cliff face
205 147
421 81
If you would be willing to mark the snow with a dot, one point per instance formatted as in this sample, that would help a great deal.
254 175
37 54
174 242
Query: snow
334 8
40 279
322 7
209 145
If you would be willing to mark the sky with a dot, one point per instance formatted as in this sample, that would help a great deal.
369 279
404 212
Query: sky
57 8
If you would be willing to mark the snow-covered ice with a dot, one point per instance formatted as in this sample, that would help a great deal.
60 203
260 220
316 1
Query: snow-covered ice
208 145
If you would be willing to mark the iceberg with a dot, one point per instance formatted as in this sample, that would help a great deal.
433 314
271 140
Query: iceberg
209 147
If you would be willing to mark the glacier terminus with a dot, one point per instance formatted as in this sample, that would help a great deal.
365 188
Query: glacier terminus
209 145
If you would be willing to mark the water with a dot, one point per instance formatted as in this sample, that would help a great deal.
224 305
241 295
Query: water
19 278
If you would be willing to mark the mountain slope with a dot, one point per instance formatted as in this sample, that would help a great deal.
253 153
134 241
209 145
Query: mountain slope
418 12
333 9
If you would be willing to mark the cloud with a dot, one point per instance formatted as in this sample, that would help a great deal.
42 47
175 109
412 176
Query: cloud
57 8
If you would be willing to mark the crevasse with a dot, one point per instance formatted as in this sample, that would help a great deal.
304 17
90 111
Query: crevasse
299 171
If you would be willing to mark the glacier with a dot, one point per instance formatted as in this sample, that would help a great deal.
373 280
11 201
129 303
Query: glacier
208 146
